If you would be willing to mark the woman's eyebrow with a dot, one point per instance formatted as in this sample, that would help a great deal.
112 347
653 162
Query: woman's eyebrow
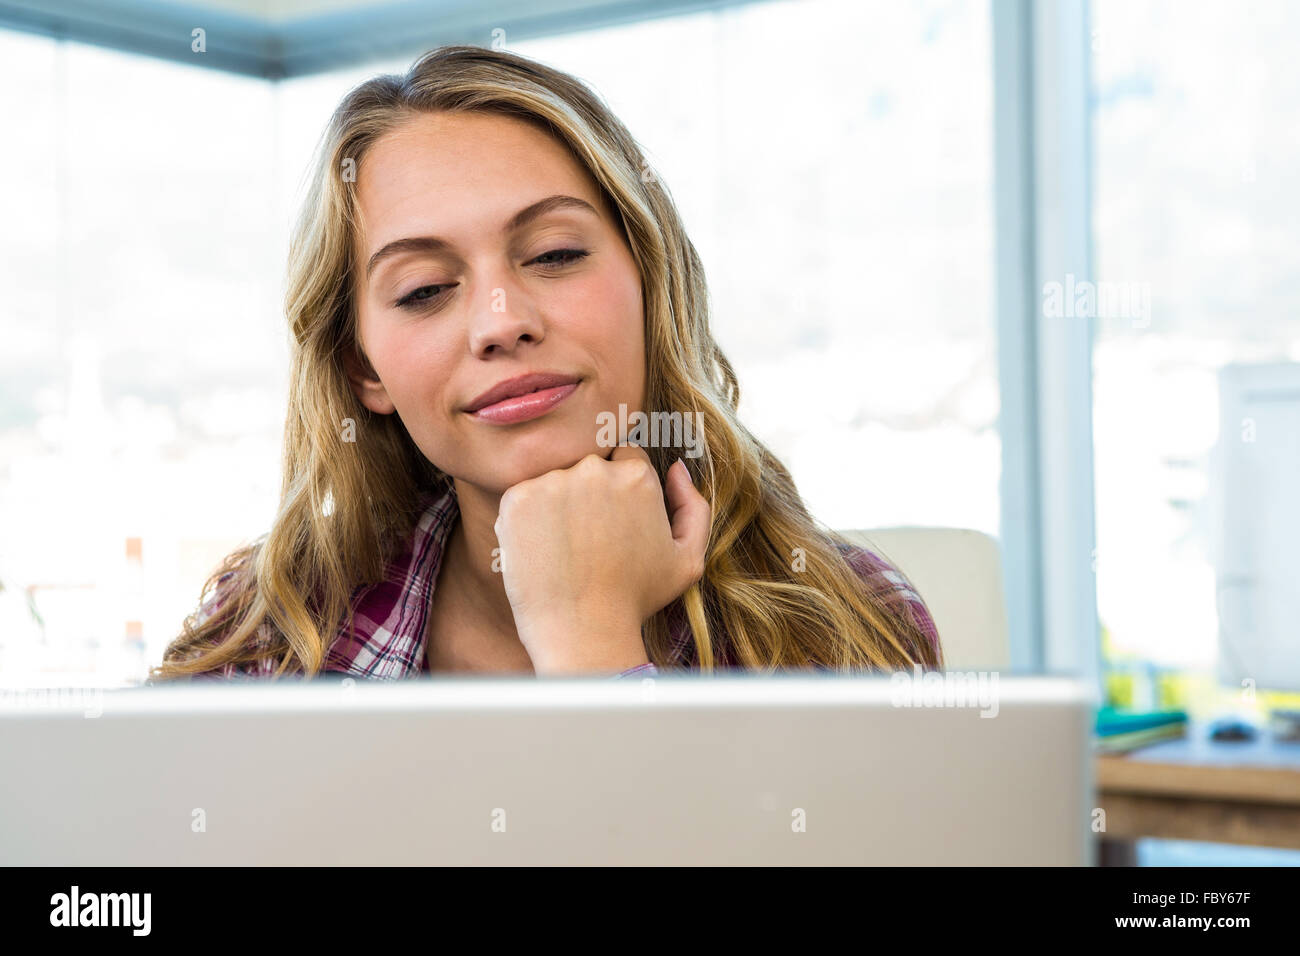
520 219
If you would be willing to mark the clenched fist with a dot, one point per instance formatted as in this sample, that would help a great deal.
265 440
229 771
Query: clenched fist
589 552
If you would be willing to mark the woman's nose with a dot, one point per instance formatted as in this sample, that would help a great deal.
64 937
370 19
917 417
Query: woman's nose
501 318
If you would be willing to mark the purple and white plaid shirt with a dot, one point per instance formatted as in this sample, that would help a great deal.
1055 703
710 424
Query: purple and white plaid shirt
386 641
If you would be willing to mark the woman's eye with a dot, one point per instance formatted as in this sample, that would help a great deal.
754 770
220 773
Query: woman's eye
555 259
421 296
567 256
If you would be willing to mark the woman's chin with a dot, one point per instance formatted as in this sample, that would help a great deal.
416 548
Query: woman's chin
529 459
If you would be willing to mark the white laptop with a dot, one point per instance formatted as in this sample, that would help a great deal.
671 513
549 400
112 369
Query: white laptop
746 769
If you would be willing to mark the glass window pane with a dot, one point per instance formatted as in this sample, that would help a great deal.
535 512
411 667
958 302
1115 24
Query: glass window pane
1196 207
143 398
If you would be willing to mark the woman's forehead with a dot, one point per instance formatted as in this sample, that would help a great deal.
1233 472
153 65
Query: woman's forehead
418 181
445 152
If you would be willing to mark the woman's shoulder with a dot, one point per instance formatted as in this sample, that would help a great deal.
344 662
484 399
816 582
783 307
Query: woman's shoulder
871 565
886 581
224 592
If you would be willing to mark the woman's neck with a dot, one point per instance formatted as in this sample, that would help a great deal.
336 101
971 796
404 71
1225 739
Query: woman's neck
470 554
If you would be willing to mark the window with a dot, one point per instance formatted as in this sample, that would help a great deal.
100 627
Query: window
143 362
1195 150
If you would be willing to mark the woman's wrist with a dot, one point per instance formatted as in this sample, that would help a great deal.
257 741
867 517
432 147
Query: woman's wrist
582 645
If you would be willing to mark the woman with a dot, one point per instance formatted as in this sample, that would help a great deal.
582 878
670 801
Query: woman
483 272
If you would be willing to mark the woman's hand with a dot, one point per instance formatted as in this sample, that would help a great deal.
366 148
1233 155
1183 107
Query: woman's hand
589 552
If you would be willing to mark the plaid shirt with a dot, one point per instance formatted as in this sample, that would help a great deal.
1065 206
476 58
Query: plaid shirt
387 638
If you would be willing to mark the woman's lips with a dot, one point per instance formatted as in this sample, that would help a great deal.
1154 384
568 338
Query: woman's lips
523 408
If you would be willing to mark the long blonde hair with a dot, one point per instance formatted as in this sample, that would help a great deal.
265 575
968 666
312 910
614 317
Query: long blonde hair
342 515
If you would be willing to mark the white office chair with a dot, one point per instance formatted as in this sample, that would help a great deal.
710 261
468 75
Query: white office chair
958 574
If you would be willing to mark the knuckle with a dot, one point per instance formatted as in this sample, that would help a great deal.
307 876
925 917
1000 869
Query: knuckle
513 496
636 475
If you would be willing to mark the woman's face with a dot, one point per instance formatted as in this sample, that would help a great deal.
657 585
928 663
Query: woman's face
458 292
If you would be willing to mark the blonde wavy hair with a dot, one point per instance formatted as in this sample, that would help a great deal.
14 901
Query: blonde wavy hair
341 516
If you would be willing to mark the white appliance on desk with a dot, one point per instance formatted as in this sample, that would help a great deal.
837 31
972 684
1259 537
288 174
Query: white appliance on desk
1256 498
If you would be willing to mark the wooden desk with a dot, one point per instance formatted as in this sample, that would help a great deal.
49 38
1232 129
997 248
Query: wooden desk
1198 789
